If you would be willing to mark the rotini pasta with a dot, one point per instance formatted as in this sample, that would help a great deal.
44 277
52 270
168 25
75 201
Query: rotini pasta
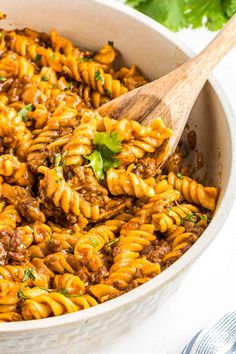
86 214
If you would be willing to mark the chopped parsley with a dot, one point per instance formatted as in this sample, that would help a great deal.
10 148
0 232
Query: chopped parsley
52 57
85 59
28 274
45 78
37 57
58 180
99 77
104 157
3 78
179 175
24 112
21 295
59 160
111 43
68 86
169 209
66 293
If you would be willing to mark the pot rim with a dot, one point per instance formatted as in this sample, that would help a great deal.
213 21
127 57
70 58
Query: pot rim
171 273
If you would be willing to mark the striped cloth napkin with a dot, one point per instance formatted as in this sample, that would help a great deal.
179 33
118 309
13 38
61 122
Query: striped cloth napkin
217 338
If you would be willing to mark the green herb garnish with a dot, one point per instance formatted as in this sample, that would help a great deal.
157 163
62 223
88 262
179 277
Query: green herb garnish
37 57
45 78
99 77
66 293
68 87
104 157
179 175
24 112
85 59
3 78
28 274
178 14
21 295
96 162
203 217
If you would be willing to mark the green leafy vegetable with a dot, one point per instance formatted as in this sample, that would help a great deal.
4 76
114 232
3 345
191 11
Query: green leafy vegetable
66 293
85 59
21 295
203 217
178 14
45 78
98 77
111 141
179 175
28 274
37 57
68 87
24 112
101 160
96 162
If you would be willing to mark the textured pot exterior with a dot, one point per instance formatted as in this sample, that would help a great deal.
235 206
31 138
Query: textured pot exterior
91 23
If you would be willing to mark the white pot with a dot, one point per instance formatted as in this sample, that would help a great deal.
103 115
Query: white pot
90 24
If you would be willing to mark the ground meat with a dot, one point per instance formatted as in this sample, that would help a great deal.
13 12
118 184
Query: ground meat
191 227
156 251
11 247
147 167
25 204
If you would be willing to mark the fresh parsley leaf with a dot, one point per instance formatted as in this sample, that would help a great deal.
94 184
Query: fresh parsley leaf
104 158
169 209
3 78
109 159
37 57
111 141
179 175
85 59
21 295
98 77
24 111
96 162
45 78
66 293
111 43
178 14
28 274
58 158
68 87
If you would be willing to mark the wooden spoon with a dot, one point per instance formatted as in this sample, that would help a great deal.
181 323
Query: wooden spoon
172 96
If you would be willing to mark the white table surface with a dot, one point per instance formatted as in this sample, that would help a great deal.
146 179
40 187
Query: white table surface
209 289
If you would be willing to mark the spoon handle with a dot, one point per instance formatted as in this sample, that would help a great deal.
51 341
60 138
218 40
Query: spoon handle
216 49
